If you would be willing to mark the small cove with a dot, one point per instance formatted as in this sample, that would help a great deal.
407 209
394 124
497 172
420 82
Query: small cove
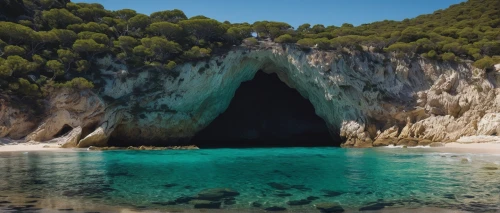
292 178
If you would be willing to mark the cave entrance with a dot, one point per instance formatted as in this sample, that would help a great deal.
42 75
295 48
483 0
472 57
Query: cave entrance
265 112
64 130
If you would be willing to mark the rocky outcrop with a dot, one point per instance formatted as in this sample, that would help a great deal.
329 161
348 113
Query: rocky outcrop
367 98
15 122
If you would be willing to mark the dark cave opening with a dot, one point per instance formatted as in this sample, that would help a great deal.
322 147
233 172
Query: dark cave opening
64 130
265 112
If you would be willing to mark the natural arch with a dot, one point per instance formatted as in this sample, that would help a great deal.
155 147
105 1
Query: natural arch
163 110
265 112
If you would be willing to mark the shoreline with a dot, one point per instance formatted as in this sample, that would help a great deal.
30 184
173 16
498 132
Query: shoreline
474 144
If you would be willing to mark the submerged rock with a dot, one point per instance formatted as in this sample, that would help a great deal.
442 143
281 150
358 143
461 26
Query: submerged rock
256 204
279 186
298 202
229 202
283 194
216 194
167 203
183 199
329 207
312 198
331 193
490 168
205 204
375 206
170 185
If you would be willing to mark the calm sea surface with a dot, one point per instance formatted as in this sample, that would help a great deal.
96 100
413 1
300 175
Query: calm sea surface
356 179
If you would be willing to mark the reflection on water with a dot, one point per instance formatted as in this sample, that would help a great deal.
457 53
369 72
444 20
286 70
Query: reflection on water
291 178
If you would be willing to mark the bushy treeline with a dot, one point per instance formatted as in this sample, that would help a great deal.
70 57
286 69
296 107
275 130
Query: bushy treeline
53 43
469 30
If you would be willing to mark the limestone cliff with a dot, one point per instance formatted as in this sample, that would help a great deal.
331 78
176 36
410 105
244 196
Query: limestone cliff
370 99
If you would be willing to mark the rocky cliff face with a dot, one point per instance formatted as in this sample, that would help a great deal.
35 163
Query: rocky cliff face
370 99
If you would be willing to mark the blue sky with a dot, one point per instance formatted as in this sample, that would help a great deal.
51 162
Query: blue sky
294 12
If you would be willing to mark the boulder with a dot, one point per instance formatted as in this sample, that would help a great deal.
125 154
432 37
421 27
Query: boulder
424 142
298 202
436 144
72 138
216 194
205 204
385 142
279 186
329 207
407 142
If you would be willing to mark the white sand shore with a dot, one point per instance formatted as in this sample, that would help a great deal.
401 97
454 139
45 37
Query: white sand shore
8 145
23 147
486 147
473 144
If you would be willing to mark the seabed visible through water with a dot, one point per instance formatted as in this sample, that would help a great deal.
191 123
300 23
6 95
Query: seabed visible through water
294 179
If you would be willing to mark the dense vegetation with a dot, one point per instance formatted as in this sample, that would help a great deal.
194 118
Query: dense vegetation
48 44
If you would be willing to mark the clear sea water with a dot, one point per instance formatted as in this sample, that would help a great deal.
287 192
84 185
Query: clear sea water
357 179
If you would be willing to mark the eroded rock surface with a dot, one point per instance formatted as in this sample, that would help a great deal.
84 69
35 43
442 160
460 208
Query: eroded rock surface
366 98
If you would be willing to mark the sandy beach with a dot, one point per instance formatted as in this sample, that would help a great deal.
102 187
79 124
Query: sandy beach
472 144
8 145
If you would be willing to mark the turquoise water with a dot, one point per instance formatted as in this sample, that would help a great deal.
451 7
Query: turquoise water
358 179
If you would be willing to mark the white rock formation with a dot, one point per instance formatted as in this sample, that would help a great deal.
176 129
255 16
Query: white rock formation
359 95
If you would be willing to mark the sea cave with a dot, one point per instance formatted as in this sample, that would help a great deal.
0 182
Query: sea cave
265 112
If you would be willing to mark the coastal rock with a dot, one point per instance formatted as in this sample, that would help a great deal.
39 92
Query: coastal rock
205 204
15 122
436 144
71 140
385 141
364 98
216 194
298 202
407 142
329 207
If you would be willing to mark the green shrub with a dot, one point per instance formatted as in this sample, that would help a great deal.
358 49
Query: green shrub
285 39
306 42
485 63
13 50
170 65
448 56
76 83
250 41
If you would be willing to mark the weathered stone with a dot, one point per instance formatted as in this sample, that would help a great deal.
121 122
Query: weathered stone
312 198
490 168
436 144
71 140
385 142
279 186
205 204
329 207
424 142
331 193
167 203
361 96
407 142
256 204
283 194
183 199
216 194
298 202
